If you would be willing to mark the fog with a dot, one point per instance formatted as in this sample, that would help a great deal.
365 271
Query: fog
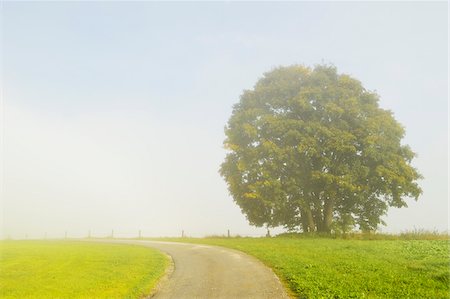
109 171
113 112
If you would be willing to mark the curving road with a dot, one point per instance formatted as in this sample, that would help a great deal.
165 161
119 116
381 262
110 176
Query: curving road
203 271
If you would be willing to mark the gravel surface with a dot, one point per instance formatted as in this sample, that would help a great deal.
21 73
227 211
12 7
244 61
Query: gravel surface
203 271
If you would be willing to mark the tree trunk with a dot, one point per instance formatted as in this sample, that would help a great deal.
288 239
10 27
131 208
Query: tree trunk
318 219
304 221
310 220
327 216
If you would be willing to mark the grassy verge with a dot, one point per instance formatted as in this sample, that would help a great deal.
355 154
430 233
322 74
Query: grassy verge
69 269
337 268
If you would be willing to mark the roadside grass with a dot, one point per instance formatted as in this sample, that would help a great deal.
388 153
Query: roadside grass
416 234
71 269
346 268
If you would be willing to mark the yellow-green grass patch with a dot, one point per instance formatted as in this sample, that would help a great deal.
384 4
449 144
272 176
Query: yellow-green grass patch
75 269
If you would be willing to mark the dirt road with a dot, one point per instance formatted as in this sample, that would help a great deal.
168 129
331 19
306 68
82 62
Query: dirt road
202 271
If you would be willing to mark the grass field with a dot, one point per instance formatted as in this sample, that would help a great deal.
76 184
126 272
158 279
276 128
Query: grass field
336 268
69 269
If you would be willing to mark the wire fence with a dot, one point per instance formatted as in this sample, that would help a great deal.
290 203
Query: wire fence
127 233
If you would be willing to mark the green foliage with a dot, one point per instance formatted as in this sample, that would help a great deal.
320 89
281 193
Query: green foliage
311 149
337 268
57 269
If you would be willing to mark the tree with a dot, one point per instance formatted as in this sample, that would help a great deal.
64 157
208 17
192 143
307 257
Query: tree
311 150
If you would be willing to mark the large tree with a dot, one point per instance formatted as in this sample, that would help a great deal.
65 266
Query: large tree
310 149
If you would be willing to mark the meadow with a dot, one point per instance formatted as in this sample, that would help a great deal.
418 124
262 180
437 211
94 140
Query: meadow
309 267
339 268
76 269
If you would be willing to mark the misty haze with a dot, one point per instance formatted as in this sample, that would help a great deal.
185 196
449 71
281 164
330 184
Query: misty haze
152 120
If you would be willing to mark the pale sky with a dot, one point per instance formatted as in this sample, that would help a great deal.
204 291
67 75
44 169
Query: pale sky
113 112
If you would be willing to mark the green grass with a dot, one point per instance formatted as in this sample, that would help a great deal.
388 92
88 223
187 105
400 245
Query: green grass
337 268
70 269
416 234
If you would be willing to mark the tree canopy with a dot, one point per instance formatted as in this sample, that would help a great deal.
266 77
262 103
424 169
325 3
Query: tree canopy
311 150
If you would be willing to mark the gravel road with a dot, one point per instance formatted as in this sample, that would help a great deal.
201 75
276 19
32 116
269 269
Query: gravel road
203 271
